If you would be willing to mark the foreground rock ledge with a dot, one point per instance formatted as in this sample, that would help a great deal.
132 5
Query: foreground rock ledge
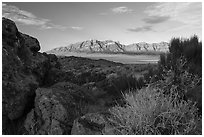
24 69
56 108
90 124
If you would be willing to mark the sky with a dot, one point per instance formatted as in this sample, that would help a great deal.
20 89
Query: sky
57 24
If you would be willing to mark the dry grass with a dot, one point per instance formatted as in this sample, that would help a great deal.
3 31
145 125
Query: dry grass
150 112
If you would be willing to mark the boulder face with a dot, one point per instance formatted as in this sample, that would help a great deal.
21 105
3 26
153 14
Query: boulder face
56 108
94 124
89 124
32 43
24 69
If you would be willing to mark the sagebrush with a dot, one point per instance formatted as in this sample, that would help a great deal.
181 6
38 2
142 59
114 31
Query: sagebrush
149 112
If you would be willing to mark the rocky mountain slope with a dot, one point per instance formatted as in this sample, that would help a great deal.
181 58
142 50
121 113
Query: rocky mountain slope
147 47
109 46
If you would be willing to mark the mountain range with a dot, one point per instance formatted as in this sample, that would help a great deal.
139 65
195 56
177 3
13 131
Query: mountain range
112 47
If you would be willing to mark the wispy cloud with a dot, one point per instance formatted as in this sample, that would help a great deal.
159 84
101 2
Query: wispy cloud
76 28
156 19
184 12
27 18
121 10
141 29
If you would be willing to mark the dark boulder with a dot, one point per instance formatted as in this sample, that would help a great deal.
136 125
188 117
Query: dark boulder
93 124
17 85
56 108
23 70
32 43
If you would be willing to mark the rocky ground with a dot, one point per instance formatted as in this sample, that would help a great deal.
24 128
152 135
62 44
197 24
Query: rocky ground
44 94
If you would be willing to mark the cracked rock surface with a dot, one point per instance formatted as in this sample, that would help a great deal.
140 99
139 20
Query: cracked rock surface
56 108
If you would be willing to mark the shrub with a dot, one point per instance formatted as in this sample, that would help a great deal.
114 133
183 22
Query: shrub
125 82
190 49
178 80
151 112
89 76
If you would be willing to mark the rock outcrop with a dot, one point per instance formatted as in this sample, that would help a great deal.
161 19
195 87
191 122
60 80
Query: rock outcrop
95 124
56 108
91 124
24 69
32 43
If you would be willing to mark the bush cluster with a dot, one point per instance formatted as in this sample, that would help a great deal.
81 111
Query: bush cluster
188 49
149 112
162 107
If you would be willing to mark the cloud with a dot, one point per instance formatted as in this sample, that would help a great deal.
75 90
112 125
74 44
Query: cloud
121 10
188 13
156 19
27 18
141 29
76 28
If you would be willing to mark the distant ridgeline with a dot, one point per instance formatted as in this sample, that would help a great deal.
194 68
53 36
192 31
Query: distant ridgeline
113 47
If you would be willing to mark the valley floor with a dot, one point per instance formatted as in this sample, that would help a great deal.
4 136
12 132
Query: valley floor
121 58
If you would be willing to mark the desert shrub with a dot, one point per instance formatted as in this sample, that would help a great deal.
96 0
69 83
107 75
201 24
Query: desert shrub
162 107
189 49
185 85
180 70
184 60
163 60
89 76
91 66
148 111
179 80
151 75
125 82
